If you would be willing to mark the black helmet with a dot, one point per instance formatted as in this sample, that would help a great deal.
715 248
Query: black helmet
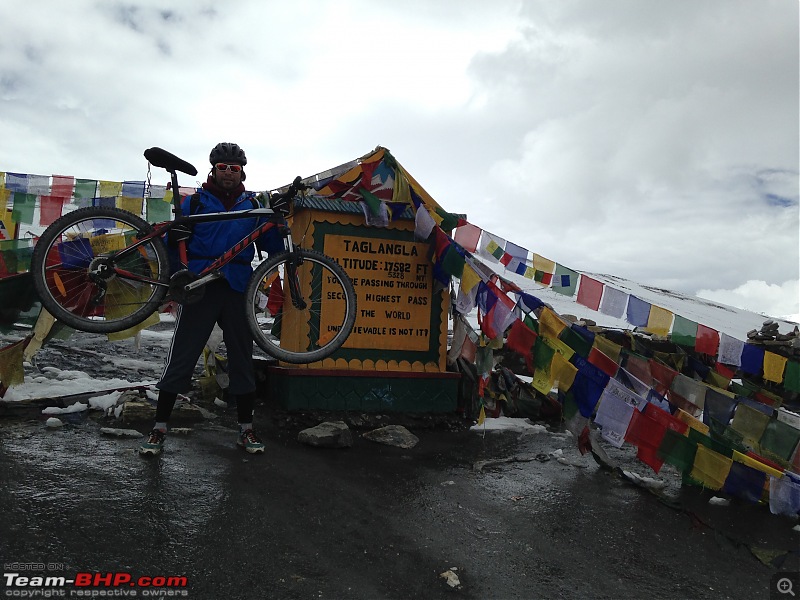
227 152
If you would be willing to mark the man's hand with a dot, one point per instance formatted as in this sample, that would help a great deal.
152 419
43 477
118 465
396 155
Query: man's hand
181 232
279 203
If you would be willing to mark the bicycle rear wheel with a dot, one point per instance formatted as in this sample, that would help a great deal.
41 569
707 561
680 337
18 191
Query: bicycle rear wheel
87 279
300 314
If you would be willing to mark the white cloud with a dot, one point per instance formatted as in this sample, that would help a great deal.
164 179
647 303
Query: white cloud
780 300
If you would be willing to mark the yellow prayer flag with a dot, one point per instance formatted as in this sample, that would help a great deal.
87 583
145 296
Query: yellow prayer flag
560 347
153 319
563 371
401 193
611 349
110 189
530 272
774 365
492 246
469 278
750 423
131 204
11 370
436 217
710 468
695 424
542 381
550 324
756 464
718 381
4 195
481 416
660 320
540 263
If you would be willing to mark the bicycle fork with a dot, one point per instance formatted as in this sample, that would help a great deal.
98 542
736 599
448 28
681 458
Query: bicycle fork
292 279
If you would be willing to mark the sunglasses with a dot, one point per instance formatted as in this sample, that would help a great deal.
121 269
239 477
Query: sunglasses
232 168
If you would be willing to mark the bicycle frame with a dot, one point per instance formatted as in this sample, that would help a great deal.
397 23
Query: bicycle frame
211 272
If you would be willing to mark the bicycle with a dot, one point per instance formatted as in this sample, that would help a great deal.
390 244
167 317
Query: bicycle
104 269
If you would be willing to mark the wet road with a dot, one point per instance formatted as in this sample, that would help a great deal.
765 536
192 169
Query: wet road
367 522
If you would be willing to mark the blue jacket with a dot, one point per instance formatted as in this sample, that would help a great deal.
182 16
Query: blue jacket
211 240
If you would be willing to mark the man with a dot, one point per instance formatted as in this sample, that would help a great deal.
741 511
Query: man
222 302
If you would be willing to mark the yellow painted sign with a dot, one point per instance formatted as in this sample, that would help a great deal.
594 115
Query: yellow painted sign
394 286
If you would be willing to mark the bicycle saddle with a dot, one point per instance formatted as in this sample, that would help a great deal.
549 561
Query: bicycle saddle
166 160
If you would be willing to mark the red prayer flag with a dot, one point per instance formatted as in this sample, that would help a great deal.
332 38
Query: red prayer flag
467 236
521 339
590 292
603 362
62 186
50 209
725 371
662 376
707 341
275 297
646 434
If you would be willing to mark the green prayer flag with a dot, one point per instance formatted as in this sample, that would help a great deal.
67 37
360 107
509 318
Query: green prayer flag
749 422
677 450
449 220
24 205
684 331
373 202
576 341
453 262
738 389
779 440
542 354
531 322
85 190
158 210
791 380
565 280
716 445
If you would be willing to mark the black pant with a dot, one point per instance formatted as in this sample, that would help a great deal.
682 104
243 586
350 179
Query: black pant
223 305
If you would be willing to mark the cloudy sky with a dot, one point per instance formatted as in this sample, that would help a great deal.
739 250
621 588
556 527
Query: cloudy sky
651 140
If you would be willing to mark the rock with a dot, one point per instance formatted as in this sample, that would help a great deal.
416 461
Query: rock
393 435
451 578
53 423
331 434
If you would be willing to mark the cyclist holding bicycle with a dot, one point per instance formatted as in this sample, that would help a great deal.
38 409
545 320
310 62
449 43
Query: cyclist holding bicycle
223 301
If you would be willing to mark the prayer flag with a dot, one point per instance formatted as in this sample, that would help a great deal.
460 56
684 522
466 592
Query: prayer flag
707 341
607 347
423 223
562 371
710 468
614 302
638 311
589 292
521 340
133 189
516 251
659 321
745 482
24 205
85 190
565 280
11 370
50 208
730 350
110 189
576 341
774 365
752 359
603 362
614 413
677 450
784 496
684 331
792 380
588 385
62 186
689 389
750 423
158 210
718 408
491 247
779 441
550 324
467 236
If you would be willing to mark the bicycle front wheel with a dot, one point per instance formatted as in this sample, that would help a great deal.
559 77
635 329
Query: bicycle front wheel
89 273
300 311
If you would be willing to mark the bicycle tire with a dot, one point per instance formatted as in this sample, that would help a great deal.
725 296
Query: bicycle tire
306 335
60 266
